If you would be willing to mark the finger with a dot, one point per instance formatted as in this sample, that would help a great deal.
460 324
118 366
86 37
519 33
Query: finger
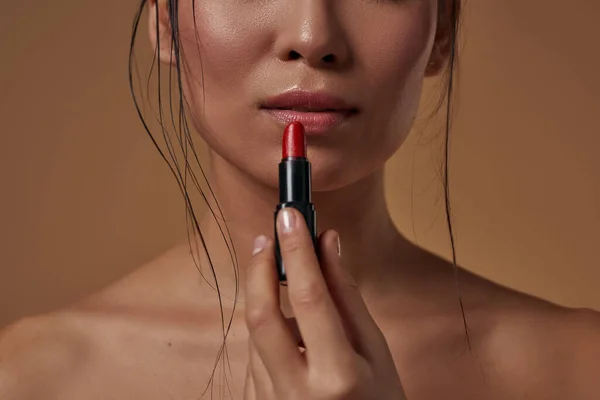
263 386
249 390
318 319
364 333
293 325
266 324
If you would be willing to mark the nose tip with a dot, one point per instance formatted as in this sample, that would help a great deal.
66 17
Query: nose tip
315 37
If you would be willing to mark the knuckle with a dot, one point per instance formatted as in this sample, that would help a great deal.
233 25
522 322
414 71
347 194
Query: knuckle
343 384
254 263
308 294
290 244
349 280
257 318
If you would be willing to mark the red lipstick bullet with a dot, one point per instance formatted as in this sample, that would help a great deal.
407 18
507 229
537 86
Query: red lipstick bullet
295 185
294 141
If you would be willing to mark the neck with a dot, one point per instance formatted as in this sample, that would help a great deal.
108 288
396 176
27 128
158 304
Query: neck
370 242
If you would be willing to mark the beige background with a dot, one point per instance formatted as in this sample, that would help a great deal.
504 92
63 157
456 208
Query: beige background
86 198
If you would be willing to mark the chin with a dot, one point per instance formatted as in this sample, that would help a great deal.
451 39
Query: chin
334 173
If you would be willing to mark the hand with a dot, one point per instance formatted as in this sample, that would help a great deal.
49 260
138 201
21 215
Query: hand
346 354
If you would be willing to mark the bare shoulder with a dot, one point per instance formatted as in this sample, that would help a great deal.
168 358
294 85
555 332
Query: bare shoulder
537 349
146 334
42 352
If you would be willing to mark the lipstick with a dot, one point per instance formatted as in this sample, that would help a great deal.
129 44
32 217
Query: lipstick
294 185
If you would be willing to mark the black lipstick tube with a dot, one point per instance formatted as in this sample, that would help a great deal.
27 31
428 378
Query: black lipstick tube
295 191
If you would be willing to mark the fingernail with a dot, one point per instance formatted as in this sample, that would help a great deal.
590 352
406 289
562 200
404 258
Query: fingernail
339 244
286 220
259 244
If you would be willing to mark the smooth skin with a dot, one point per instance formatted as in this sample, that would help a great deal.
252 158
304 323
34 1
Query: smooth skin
156 334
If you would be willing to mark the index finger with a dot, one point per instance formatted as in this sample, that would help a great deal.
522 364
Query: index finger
318 319
267 327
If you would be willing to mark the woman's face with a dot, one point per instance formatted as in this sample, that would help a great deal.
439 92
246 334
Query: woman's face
373 54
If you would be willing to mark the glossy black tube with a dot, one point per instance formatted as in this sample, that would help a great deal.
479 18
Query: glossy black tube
295 191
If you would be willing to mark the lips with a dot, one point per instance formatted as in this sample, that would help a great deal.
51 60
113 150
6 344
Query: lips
306 109
319 112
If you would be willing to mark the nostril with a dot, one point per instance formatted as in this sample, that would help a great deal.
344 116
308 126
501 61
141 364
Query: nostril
329 58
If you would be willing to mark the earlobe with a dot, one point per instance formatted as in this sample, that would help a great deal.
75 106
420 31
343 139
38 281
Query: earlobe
440 55
448 14
436 63
159 29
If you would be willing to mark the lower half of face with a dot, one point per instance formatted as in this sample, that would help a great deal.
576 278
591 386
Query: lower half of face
371 54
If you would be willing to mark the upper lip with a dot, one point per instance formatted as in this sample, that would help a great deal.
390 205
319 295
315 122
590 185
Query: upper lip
310 101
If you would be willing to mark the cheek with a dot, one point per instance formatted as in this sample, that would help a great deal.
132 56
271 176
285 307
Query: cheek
221 49
396 53
394 57
223 42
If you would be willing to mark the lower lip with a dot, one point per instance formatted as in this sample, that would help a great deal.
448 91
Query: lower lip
314 122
